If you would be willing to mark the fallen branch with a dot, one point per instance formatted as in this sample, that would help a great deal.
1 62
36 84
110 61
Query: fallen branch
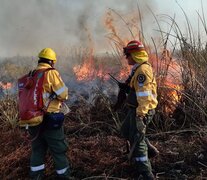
176 132
101 177
202 164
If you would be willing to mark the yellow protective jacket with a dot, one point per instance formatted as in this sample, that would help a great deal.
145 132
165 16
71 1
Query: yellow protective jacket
53 83
145 87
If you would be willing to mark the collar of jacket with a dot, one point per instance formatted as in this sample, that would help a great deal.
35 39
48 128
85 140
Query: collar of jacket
134 67
43 66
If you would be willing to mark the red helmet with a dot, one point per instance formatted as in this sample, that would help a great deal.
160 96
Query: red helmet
133 46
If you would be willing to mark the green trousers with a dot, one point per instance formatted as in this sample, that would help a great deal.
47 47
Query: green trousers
130 132
54 141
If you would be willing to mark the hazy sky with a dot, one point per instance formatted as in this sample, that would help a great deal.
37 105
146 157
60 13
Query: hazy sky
27 26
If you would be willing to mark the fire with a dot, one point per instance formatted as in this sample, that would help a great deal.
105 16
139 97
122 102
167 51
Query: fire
124 72
168 74
88 71
6 85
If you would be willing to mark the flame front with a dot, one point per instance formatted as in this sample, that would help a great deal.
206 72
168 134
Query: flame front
6 86
84 71
168 76
88 71
168 73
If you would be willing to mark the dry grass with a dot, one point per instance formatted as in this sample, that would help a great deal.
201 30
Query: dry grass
96 149
8 112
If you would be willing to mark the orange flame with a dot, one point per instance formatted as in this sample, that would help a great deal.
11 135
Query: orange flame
169 78
124 72
88 71
6 85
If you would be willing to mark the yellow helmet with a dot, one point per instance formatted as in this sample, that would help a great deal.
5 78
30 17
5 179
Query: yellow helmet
48 53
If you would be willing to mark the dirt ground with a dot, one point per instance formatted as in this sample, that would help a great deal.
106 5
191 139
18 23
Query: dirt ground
96 151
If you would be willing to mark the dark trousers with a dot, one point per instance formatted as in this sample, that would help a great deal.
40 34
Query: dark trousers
130 132
54 141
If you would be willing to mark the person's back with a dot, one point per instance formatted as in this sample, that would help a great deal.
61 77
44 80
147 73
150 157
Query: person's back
53 84
49 135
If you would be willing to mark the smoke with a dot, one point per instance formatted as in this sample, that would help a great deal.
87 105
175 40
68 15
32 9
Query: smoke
28 26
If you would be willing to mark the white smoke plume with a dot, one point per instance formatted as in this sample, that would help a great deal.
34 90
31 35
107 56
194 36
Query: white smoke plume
26 26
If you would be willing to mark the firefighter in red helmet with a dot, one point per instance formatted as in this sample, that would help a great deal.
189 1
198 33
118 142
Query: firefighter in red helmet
141 103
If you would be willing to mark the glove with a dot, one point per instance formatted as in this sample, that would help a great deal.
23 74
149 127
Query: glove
124 86
141 127
53 96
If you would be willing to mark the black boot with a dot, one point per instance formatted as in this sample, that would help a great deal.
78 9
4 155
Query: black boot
148 176
37 177
144 176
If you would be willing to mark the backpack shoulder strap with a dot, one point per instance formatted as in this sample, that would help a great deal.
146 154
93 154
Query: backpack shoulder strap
133 71
33 72
48 69
45 70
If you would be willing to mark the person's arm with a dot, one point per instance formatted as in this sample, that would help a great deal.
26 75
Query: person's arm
57 85
144 90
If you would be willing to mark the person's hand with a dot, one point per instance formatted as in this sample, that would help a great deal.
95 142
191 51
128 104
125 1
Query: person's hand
140 124
125 87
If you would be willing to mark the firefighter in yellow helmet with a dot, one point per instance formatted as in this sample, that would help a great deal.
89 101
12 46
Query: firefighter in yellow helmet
49 134
141 103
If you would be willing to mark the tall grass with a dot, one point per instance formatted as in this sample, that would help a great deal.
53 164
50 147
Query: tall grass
192 58
8 112
180 106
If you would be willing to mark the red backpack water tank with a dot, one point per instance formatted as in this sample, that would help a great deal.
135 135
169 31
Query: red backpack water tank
30 100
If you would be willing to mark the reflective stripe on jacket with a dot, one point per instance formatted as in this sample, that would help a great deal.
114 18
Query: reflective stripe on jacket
145 86
53 83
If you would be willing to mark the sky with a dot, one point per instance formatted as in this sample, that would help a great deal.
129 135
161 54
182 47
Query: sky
27 26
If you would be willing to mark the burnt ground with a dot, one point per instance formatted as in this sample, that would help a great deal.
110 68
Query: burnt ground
96 150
